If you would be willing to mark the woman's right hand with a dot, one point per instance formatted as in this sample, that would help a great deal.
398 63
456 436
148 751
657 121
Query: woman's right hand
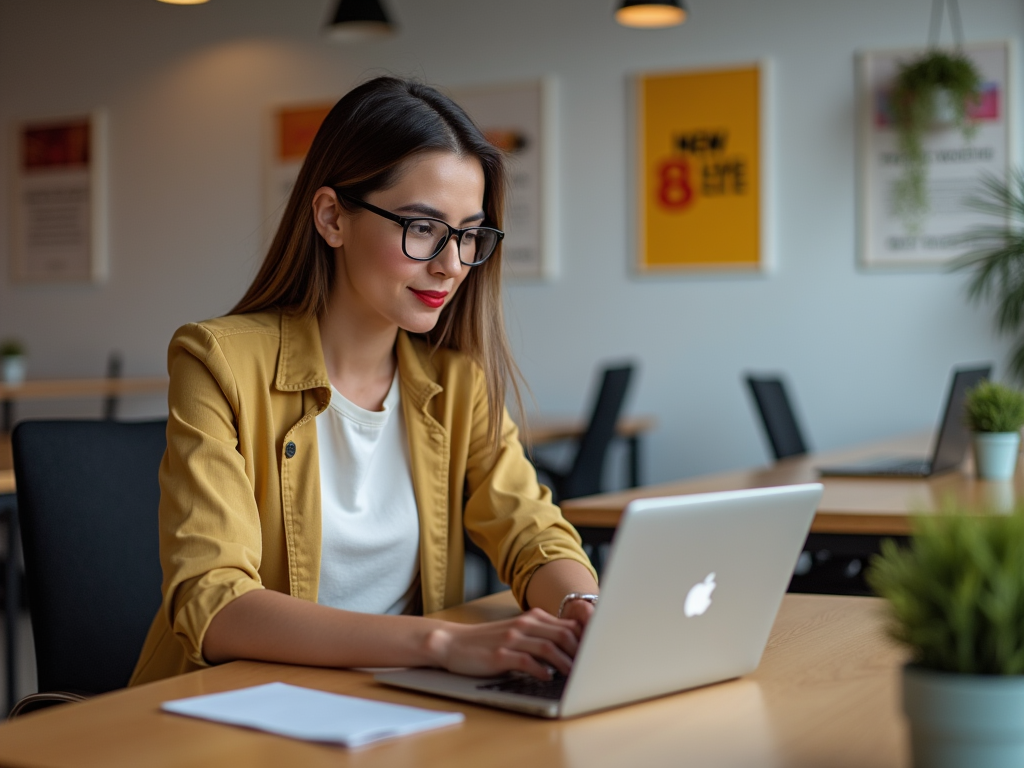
534 642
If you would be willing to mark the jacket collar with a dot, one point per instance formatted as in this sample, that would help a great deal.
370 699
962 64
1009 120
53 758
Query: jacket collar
416 370
300 362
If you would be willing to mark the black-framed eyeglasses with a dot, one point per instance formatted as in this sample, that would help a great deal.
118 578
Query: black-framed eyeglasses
424 237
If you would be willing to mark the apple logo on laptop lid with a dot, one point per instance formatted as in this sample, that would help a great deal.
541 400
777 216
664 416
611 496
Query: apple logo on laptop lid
698 599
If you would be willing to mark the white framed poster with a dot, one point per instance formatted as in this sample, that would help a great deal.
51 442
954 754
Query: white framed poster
519 118
954 164
60 200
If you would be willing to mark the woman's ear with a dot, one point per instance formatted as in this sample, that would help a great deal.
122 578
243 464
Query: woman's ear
327 216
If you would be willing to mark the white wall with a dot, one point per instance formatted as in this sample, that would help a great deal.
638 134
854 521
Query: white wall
189 89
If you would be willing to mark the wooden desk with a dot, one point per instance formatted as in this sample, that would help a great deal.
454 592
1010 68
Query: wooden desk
541 430
824 695
43 389
872 506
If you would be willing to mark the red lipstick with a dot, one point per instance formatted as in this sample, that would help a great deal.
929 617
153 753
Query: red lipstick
433 299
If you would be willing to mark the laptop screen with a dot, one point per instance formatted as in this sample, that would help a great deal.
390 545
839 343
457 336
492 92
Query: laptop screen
954 436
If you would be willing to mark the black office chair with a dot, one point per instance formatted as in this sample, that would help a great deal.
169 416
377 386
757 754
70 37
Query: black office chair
584 476
87 500
115 363
777 416
828 565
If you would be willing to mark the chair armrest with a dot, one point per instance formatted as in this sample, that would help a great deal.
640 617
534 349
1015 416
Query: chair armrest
36 701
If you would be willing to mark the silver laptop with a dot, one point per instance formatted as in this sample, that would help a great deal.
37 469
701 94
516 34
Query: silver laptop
950 443
688 598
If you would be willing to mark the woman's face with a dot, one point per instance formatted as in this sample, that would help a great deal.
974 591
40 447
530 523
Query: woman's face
375 277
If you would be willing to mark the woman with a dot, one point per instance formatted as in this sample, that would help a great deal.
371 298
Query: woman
331 440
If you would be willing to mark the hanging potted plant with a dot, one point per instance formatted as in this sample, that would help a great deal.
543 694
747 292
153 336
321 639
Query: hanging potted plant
934 90
956 600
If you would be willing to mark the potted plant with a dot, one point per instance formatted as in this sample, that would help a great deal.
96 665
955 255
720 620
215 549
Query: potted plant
956 600
996 256
995 414
12 361
932 90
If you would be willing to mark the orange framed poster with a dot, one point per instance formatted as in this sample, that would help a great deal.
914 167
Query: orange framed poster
292 130
702 171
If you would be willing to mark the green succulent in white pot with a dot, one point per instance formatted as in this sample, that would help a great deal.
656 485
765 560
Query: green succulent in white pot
955 599
995 414
12 362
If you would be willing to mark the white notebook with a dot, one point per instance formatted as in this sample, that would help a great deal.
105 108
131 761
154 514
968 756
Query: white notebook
303 713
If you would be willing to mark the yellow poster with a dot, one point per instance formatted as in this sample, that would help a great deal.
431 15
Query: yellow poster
700 170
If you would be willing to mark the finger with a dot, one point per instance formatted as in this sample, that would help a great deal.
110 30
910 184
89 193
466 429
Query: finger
518 661
546 651
565 634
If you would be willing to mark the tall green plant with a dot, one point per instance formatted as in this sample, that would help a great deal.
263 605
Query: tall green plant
956 595
915 105
996 257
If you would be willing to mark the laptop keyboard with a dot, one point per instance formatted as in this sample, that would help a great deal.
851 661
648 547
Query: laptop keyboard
912 467
527 685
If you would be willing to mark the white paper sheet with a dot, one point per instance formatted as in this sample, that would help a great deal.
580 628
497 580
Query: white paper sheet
303 713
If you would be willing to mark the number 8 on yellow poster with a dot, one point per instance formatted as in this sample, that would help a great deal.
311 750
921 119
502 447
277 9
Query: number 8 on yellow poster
701 170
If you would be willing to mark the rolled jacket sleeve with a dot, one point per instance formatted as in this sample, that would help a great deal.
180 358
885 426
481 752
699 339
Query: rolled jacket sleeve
210 541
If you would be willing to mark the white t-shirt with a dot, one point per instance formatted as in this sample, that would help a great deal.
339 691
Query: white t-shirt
369 559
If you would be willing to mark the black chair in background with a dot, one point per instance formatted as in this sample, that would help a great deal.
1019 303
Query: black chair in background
583 477
115 364
830 564
777 416
88 497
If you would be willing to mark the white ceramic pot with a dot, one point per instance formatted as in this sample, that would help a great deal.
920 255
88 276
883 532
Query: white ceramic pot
995 454
12 368
943 108
964 721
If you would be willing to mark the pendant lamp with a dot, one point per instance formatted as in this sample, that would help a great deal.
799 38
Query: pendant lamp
648 14
358 20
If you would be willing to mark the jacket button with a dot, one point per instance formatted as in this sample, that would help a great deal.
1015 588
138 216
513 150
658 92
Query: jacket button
289 450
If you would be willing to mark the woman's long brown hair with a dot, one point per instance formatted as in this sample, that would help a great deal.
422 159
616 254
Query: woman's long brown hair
360 148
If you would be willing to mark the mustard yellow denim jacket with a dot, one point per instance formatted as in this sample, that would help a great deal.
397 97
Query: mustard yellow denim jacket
240 480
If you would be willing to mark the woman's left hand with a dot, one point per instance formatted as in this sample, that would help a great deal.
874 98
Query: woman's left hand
580 611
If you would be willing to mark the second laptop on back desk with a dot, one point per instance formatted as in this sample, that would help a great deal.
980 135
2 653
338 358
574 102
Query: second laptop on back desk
950 444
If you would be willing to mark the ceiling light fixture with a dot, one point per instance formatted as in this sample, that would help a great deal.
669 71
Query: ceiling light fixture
183 2
358 20
646 14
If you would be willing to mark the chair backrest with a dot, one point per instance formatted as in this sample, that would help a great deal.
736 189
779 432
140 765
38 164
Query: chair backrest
587 468
777 416
114 365
88 497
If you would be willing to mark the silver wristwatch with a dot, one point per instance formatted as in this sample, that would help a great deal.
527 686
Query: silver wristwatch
592 599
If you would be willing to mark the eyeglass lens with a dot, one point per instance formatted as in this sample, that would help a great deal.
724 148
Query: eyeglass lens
424 239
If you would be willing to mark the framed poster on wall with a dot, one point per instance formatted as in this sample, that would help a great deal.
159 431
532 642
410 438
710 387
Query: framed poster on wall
519 119
953 163
60 200
702 170
292 131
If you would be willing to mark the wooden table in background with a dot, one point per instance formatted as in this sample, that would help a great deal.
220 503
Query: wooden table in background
6 465
850 506
825 694
541 430
52 389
